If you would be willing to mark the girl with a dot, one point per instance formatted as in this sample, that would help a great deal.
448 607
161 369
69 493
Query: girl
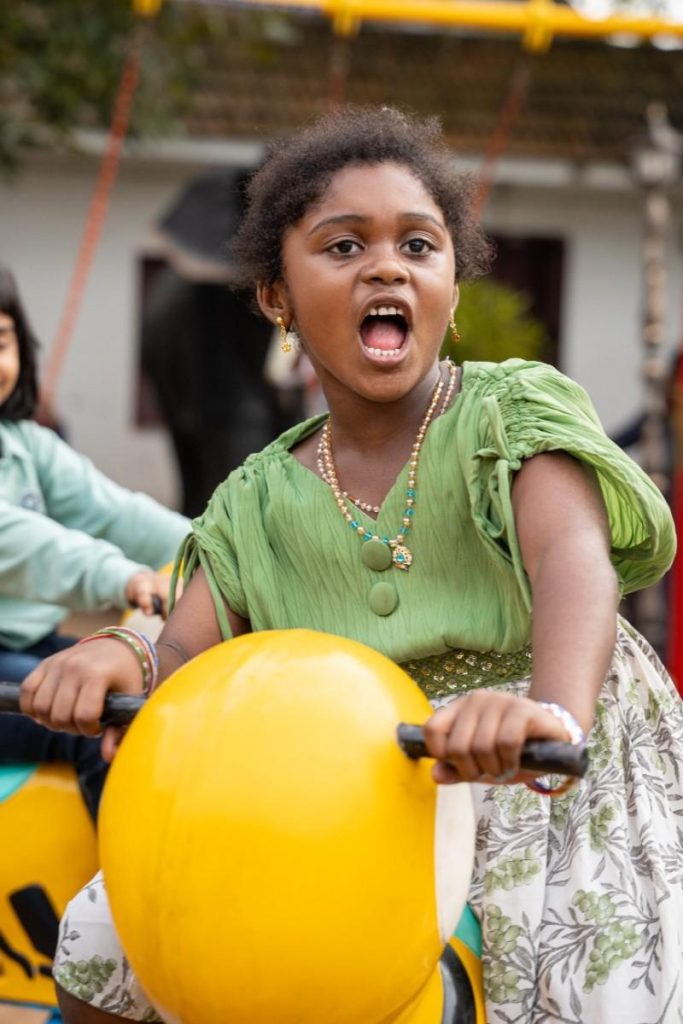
476 526
70 539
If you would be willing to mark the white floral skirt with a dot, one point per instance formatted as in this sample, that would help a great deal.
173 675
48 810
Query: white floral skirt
580 898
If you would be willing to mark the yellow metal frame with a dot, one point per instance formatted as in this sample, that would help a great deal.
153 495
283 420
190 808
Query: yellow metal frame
537 21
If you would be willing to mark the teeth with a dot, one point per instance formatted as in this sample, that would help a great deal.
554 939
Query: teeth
384 353
385 311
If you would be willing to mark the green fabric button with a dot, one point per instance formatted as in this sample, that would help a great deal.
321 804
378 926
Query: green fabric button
383 599
376 555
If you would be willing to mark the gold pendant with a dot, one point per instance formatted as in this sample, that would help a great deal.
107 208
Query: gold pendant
402 557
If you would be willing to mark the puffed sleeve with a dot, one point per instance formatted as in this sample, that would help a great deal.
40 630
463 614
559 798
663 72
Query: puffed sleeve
518 409
212 545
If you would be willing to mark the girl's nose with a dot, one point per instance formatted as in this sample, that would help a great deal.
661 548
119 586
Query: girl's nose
385 267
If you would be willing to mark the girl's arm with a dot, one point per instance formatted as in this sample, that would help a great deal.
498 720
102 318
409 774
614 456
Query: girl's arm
42 560
80 497
564 540
67 691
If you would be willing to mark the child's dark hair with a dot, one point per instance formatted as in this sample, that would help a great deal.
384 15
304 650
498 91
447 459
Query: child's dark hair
300 168
21 404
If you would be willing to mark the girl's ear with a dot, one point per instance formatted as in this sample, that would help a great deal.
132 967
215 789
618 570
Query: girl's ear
273 301
456 296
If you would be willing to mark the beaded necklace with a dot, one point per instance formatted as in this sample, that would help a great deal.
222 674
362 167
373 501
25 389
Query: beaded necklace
380 552
363 505
366 506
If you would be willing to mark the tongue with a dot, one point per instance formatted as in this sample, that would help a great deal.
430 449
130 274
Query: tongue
382 334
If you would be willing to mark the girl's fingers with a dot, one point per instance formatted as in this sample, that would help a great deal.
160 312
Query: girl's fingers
30 687
111 741
480 737
42 696
144 599
66 692
88 706
150 593
485 744
445 775
452 735
545 726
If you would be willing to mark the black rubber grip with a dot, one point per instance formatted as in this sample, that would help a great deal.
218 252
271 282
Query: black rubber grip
119 708
157 605
9 697
537 755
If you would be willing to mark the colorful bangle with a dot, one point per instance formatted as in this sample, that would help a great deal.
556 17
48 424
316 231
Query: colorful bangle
141 646
576 738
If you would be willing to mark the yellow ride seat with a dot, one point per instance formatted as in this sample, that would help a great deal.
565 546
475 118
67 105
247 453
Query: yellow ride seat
49 852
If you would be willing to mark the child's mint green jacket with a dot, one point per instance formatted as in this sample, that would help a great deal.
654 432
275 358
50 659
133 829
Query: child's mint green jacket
70 538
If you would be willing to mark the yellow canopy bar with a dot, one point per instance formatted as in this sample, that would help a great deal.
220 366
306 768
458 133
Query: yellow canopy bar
538 21
147 8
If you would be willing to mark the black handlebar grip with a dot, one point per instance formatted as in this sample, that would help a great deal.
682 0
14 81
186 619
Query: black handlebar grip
537 755
9 697
119 708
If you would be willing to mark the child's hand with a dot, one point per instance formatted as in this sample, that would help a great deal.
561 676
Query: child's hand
144 587
66 692
479 737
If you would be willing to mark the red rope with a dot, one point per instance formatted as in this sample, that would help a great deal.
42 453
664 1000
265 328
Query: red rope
95 218
498 142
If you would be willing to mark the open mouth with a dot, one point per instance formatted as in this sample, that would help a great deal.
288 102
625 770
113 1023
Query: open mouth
383 331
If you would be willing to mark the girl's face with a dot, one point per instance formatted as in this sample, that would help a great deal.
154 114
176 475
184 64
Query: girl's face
368 282
9 357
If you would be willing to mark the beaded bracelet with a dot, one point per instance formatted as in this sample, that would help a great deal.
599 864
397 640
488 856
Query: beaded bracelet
576 738
141 646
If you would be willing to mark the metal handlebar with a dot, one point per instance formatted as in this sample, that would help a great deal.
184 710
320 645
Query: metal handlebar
537 755
119 708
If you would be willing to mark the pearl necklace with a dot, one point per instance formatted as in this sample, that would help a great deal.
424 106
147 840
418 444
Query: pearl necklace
380 552
364 505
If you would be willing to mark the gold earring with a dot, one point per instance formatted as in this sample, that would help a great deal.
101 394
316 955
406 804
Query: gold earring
455 334
285 343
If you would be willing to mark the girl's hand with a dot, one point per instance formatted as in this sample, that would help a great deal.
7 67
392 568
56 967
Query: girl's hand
479 737
66 692
144 586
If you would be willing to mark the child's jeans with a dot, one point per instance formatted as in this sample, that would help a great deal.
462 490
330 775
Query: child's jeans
23 741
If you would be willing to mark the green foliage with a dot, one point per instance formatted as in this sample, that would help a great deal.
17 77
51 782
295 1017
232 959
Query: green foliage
61 61
495 323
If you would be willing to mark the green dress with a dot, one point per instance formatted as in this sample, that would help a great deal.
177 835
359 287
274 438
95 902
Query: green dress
580 898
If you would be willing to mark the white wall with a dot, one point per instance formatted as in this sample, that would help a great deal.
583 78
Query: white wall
42 216
41 220
602 288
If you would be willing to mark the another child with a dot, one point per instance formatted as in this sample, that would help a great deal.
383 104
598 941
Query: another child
70 539
476 526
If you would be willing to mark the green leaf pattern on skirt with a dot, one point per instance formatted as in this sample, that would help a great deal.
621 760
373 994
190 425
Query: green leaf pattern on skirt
581 897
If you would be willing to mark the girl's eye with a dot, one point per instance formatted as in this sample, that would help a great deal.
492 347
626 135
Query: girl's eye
345 247
418 246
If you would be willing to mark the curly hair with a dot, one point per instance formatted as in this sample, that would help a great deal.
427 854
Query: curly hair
299 170
21 404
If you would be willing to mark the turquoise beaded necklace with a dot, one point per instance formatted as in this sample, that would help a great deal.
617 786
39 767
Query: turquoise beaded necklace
379 552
